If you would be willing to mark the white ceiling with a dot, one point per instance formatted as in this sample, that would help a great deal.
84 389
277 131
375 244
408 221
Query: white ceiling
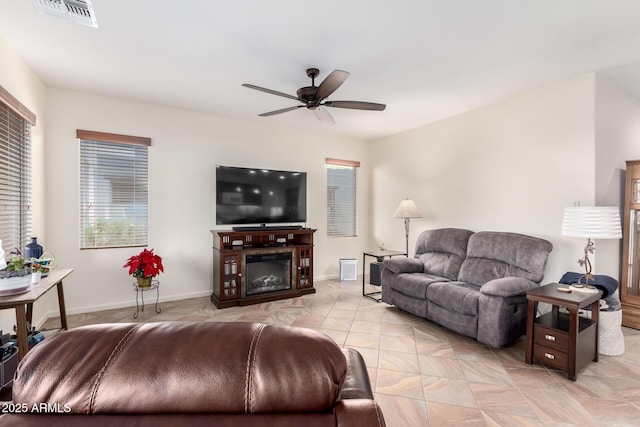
425 59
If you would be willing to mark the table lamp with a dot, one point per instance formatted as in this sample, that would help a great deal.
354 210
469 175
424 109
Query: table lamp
407 210
592 222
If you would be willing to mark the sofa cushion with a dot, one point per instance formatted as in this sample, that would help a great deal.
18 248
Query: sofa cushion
442 251
415 284
457 297
403 265
493 255
183 367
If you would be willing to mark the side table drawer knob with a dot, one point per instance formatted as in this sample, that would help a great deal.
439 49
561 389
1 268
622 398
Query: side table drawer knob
549 356
549 337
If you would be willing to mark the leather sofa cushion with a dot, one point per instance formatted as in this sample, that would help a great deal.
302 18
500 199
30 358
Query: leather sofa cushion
493 255
456 297
415 284
183 367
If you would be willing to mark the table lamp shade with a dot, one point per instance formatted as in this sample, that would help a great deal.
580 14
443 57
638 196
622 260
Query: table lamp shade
594 222
407 209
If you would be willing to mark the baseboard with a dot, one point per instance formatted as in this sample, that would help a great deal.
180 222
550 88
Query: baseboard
124 304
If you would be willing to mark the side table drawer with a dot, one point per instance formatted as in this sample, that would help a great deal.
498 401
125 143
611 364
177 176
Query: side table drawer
550 337
551 356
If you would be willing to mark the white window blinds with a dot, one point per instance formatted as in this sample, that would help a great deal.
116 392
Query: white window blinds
15 172
341 198
114 191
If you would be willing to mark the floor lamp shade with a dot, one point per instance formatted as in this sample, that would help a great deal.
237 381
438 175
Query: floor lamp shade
407 209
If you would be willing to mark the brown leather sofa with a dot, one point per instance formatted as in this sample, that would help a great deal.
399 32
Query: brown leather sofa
184 373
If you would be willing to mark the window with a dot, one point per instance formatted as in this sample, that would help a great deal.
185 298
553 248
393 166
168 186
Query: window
341 198
15 171
114 192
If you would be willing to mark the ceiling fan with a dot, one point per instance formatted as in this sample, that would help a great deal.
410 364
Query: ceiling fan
315 97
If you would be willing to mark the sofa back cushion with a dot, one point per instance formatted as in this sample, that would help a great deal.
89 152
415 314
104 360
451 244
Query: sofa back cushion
183 367
442 251
493 255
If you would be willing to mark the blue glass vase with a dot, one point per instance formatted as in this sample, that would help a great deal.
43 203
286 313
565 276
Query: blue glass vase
33 249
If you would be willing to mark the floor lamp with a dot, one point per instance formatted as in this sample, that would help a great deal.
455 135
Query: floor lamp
407 210
592 222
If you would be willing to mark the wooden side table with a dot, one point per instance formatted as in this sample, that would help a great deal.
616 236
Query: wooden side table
564 341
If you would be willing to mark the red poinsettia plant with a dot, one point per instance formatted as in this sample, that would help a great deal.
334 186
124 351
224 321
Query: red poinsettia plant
145 264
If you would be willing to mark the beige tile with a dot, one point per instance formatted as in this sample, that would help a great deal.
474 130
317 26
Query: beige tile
396 329
356 339
434 348
365 327
501 398
399 361
447 390
402 411
441 414
336 324
482 372
440 367
399 384
406 344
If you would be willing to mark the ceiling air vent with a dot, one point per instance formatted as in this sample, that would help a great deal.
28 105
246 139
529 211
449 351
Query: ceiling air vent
78 11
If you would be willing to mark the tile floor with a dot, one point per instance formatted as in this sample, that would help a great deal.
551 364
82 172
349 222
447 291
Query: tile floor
424 375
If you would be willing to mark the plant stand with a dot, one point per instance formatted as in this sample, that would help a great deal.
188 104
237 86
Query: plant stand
140 290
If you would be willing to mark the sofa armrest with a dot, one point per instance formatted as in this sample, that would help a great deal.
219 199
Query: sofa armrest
508 286
403 265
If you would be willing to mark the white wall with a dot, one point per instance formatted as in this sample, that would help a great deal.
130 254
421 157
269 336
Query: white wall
23 84
617 121
186 146
512 166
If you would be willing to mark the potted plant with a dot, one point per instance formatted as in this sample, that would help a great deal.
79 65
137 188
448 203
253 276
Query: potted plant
144 267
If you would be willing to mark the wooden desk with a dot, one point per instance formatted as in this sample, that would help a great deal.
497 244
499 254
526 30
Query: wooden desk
565 341
23 304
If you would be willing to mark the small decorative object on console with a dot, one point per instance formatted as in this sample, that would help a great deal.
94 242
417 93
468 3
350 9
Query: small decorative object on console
144 266
16 277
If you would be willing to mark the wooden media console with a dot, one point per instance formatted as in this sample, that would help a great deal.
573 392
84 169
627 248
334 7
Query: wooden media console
251 267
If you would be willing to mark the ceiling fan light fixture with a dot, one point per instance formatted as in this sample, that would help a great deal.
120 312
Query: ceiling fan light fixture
313 97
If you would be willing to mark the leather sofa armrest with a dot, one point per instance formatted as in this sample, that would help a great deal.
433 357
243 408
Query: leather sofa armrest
356 384
507 286
403 265
359 412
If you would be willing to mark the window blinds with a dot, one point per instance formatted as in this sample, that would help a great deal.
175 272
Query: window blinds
114 192
341 198
15 178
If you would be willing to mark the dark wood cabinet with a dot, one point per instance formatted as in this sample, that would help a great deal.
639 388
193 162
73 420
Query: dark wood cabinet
630 285
251 267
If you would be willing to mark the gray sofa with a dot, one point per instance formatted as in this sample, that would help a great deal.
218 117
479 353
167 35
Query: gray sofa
472 283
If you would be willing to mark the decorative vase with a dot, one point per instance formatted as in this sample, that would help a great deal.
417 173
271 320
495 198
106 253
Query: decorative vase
144 282
32 250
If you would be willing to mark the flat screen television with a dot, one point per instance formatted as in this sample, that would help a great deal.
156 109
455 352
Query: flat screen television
260 196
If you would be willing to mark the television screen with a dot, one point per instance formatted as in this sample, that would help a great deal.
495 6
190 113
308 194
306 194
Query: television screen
260 196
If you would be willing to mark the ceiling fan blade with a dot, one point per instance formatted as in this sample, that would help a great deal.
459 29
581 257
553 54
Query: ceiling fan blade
283 110
356 105
324 116
330 84
271 91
